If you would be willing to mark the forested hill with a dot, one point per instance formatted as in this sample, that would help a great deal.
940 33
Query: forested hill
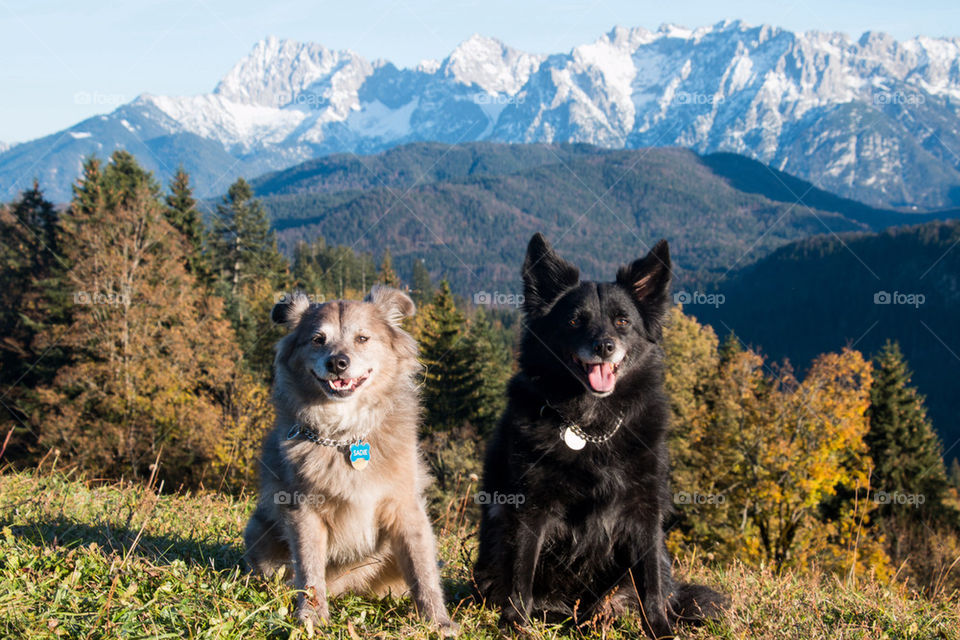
820 294
468 210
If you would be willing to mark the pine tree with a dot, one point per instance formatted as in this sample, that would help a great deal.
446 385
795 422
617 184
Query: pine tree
489 371
88 190
248 272
444 354
31 296
124 181
955 474
387 275
183 215
905 449
422 284
243 247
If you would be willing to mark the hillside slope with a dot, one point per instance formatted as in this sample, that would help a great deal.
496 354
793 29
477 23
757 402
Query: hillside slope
84 560
819 294
468 210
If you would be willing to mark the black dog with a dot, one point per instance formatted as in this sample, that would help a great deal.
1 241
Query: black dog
576 476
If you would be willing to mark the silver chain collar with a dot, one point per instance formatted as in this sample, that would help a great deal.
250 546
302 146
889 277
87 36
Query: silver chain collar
573 426
313 436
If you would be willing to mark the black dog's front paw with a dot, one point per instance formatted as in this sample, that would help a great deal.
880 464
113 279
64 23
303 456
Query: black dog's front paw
658 628
512 618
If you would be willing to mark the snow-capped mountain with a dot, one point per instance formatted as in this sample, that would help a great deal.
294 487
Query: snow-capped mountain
874 119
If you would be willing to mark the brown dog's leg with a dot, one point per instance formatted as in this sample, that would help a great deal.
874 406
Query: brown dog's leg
417 554
307 535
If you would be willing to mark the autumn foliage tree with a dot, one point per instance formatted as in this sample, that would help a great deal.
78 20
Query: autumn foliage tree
151 355
760 455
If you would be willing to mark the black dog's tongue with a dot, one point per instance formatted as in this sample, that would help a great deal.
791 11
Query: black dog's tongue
601 377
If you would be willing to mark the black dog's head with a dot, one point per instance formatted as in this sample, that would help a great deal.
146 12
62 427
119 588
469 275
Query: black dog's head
591 333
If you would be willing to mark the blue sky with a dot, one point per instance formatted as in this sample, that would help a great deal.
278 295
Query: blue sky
64 61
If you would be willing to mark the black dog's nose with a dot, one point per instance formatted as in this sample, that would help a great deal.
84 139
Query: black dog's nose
338 363
604 347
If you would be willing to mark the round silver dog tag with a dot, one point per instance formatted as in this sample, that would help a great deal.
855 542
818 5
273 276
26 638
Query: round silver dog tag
572 440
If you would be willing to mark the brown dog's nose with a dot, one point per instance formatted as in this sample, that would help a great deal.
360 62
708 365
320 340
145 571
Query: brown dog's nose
338 363
604 347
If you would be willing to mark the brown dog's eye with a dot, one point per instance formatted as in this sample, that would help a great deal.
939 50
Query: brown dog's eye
621 321
362 338
319 339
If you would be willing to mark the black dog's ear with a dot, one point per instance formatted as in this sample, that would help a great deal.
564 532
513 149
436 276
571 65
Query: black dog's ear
545 276
648 282
290 309
393 303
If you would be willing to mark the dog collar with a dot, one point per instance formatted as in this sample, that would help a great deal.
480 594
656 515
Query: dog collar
575 437
359 450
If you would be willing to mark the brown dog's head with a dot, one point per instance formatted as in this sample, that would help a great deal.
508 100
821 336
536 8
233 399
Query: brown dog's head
345 351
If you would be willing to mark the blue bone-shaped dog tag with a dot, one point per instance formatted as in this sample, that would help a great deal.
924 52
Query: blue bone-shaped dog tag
359 454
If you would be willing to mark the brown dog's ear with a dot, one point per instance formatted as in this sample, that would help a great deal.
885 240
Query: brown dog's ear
394 304
290 309
648 282
546 276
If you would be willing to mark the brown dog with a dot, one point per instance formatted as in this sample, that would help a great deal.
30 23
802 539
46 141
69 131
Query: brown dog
343 516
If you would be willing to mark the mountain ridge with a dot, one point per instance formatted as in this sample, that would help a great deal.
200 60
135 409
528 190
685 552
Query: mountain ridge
872 118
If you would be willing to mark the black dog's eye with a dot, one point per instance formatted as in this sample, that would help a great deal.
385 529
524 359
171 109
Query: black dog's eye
621 321
574 322
319 338
362 338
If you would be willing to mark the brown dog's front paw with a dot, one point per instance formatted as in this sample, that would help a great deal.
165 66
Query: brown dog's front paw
447 627
312 612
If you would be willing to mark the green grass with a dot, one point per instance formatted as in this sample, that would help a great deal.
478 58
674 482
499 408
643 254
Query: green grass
80 559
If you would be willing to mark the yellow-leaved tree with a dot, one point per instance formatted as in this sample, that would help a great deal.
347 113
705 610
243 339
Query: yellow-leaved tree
770 469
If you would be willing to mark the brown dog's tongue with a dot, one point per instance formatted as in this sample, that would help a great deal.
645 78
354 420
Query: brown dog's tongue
601 377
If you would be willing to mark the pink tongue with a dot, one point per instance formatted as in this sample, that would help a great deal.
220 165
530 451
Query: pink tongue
340 384
601 377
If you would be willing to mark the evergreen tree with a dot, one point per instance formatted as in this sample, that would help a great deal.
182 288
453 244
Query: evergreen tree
387 275
447 371
248 272
183 215
421 282
955 474
31 296
88 190
243 247
490 367
905 449
125 182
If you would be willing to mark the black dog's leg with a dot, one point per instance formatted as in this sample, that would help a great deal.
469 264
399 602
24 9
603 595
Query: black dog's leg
655 575
526 555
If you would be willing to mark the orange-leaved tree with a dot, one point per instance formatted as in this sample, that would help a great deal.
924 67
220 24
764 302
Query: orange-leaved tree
151 354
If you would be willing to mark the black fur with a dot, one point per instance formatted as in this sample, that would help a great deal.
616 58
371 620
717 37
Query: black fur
569 533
